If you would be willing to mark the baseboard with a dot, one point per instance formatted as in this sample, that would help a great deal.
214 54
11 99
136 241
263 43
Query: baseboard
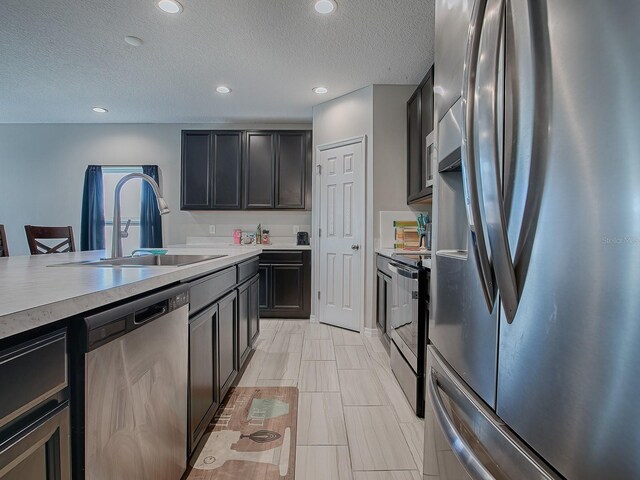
370 332
313 319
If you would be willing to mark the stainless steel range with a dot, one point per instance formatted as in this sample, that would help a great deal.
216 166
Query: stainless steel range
409 318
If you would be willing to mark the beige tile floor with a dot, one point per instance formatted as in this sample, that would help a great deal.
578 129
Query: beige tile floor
354 422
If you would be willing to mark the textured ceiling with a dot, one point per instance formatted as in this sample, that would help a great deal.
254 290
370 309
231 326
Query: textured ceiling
59 58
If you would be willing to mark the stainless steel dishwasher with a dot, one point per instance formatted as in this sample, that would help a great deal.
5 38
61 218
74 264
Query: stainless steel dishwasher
134 401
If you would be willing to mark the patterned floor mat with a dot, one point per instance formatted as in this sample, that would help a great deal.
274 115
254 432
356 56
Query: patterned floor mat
252 437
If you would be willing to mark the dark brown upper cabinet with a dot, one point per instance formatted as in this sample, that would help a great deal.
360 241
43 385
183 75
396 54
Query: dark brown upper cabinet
211 170
420 142
196 171
292 174
252 170
259 169
227 170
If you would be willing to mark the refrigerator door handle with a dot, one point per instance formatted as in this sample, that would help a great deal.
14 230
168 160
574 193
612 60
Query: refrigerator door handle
459 445
489 157
469 167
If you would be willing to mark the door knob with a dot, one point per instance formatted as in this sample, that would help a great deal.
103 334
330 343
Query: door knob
355 247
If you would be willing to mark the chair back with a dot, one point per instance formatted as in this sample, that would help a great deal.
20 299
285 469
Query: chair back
4 248
36 234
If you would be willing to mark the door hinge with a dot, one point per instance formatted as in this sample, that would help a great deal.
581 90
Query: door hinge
319 168
319 232
318 294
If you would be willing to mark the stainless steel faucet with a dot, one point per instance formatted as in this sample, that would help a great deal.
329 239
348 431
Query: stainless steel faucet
116 238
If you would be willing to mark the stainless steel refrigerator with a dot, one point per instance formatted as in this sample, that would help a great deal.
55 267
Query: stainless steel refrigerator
534 365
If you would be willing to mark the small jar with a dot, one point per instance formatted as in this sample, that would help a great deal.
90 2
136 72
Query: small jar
266 240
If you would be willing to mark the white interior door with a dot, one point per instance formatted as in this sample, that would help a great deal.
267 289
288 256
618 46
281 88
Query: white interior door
342 214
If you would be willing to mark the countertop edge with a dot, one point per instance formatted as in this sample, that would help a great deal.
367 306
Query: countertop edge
44 314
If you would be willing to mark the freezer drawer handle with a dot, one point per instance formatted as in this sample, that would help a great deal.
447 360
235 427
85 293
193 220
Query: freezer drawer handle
459 445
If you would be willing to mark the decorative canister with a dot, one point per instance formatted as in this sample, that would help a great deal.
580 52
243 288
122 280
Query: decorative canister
237 236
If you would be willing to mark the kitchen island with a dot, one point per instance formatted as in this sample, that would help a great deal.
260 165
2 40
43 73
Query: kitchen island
34 292
93 356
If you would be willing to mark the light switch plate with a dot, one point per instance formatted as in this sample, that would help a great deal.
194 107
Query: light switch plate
212 229
296 229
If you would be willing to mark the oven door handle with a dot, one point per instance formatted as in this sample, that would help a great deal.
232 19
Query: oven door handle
459 445
397 269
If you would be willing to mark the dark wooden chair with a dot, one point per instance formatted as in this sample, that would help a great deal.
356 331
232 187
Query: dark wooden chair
4 248
36 234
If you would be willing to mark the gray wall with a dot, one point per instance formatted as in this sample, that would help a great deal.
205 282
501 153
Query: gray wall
390 151
347 117
379 112
42 172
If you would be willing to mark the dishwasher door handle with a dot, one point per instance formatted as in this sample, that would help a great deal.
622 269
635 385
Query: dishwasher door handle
150 313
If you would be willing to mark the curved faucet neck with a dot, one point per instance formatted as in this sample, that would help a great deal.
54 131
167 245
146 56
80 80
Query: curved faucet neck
116 237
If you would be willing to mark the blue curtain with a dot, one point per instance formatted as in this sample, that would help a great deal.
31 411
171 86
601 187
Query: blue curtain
150 221
92 231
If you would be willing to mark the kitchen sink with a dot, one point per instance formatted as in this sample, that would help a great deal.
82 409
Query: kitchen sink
144 261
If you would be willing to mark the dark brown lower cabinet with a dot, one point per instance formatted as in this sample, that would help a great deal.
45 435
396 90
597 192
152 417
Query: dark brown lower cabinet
44 451
285 284
248 318
254 310
265 287
203 394
34 408
227 346
222 329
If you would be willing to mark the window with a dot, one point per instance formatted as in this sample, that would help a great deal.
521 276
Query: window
129 206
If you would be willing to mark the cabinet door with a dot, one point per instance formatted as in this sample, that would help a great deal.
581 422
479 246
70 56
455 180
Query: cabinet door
40 452
196 191
254 311
264 299
259 161
227 170
287 287
203 395
227 346
291 169
415 179
244 308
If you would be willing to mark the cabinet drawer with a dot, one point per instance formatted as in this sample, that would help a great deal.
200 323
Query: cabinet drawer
206 291
248 269
34 370
281 256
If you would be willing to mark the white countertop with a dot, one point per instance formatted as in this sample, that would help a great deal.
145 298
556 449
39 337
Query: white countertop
32 294
275 246
388 252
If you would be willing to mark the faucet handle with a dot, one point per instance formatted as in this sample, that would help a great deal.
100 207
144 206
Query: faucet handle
125 233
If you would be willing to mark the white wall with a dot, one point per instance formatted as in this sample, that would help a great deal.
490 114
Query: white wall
42 173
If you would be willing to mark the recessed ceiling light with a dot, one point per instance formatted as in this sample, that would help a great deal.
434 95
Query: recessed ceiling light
134 41
170 6
320 90
223 89
99 109
325 6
